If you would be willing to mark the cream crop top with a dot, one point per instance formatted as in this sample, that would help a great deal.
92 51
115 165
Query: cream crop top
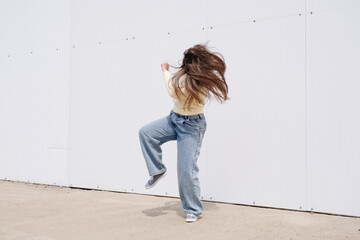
196 107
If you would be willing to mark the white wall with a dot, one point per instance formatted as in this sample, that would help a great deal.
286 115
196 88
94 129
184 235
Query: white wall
34 90
289 137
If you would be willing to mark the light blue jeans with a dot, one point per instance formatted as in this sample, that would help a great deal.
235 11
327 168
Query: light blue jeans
189 132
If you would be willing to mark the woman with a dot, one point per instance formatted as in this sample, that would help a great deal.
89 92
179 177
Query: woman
201 72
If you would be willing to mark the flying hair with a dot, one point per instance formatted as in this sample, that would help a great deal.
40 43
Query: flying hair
204 71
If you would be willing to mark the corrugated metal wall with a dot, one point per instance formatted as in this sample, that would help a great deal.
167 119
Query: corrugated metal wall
79 78
34 91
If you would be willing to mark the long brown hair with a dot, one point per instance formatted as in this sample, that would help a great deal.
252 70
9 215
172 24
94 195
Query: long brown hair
204 74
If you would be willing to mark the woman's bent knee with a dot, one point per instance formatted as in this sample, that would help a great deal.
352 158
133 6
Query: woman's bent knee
142 131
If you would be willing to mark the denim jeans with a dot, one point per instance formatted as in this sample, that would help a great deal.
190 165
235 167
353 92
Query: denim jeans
189 132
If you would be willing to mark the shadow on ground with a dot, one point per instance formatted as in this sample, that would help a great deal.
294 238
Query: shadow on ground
177 207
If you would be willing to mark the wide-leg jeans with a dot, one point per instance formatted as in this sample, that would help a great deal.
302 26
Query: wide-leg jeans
189 132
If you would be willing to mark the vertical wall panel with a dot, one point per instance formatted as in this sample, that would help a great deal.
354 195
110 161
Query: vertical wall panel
256 141
34 90
100 116
333 111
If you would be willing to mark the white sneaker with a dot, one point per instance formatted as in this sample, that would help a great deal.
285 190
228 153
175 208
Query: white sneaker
190 217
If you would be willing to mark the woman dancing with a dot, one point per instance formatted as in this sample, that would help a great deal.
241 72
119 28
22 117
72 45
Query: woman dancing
201 73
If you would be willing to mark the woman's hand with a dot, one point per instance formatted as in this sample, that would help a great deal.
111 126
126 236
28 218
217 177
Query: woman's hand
165 66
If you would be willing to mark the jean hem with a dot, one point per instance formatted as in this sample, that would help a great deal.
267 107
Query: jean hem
161 171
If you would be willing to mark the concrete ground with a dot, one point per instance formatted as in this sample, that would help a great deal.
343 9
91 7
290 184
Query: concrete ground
30 211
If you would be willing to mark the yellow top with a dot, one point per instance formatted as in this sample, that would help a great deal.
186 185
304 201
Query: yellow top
196 107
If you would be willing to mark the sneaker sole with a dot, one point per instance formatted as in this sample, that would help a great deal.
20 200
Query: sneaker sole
191 220
156 181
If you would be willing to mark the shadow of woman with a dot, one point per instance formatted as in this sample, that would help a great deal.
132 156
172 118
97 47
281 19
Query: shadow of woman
176 206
